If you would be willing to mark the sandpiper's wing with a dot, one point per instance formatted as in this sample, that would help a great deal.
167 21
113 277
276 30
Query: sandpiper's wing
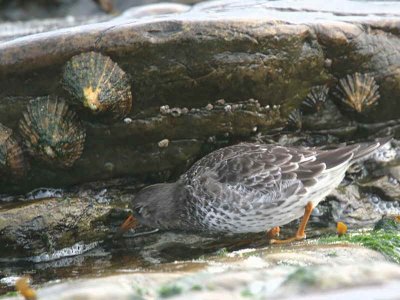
246 171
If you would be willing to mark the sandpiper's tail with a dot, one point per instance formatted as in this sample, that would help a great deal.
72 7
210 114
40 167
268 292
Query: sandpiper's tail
344 155
366 149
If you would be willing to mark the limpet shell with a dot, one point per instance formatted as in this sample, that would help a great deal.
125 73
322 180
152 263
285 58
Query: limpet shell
52 132
12 161
315 99
295 120
99 84
357 91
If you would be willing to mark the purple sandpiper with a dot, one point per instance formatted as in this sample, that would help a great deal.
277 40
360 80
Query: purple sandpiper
247 188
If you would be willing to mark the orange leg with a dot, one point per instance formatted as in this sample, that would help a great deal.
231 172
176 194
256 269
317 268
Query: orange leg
274 232
300 234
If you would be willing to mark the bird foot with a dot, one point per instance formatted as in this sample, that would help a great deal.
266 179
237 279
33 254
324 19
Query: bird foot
300 234
274 232
289 240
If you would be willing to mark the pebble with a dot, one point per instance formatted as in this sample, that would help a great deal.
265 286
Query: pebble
220 101
163 143
164 109
212 139
209 106
109 166
175 112
228 108
128 120
328 63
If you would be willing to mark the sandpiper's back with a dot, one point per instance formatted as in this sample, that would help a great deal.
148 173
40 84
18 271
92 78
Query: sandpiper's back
255 187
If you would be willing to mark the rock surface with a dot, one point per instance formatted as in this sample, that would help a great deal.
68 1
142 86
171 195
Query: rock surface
48 225
191 58
22 10
319 272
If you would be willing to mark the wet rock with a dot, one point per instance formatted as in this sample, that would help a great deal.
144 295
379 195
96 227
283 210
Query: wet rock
263 57
357 208
139 160
321 272
327 118
21 10
386 186
43 227
138 157
388 224
395 173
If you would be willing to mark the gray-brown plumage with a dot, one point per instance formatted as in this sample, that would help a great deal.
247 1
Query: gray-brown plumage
247 188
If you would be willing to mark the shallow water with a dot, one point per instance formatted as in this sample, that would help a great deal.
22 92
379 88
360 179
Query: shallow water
141 251
150 253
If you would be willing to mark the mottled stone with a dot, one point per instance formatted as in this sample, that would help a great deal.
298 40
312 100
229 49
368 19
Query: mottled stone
48 225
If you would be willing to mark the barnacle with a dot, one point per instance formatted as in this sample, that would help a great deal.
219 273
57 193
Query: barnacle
315 99
52 132
12 161
357 91
99 84
295 120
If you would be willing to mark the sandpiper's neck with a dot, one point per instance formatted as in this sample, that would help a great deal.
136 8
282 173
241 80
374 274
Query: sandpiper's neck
162 205
181 212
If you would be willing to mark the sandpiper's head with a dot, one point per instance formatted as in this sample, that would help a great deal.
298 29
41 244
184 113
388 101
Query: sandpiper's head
157 206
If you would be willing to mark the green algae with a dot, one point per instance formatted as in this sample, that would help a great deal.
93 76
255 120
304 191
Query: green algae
196 288
140 293
167 291
387 224
246 293
304 276
385 242
222 252
9 294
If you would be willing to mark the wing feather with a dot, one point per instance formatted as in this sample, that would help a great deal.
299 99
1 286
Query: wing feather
272 173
